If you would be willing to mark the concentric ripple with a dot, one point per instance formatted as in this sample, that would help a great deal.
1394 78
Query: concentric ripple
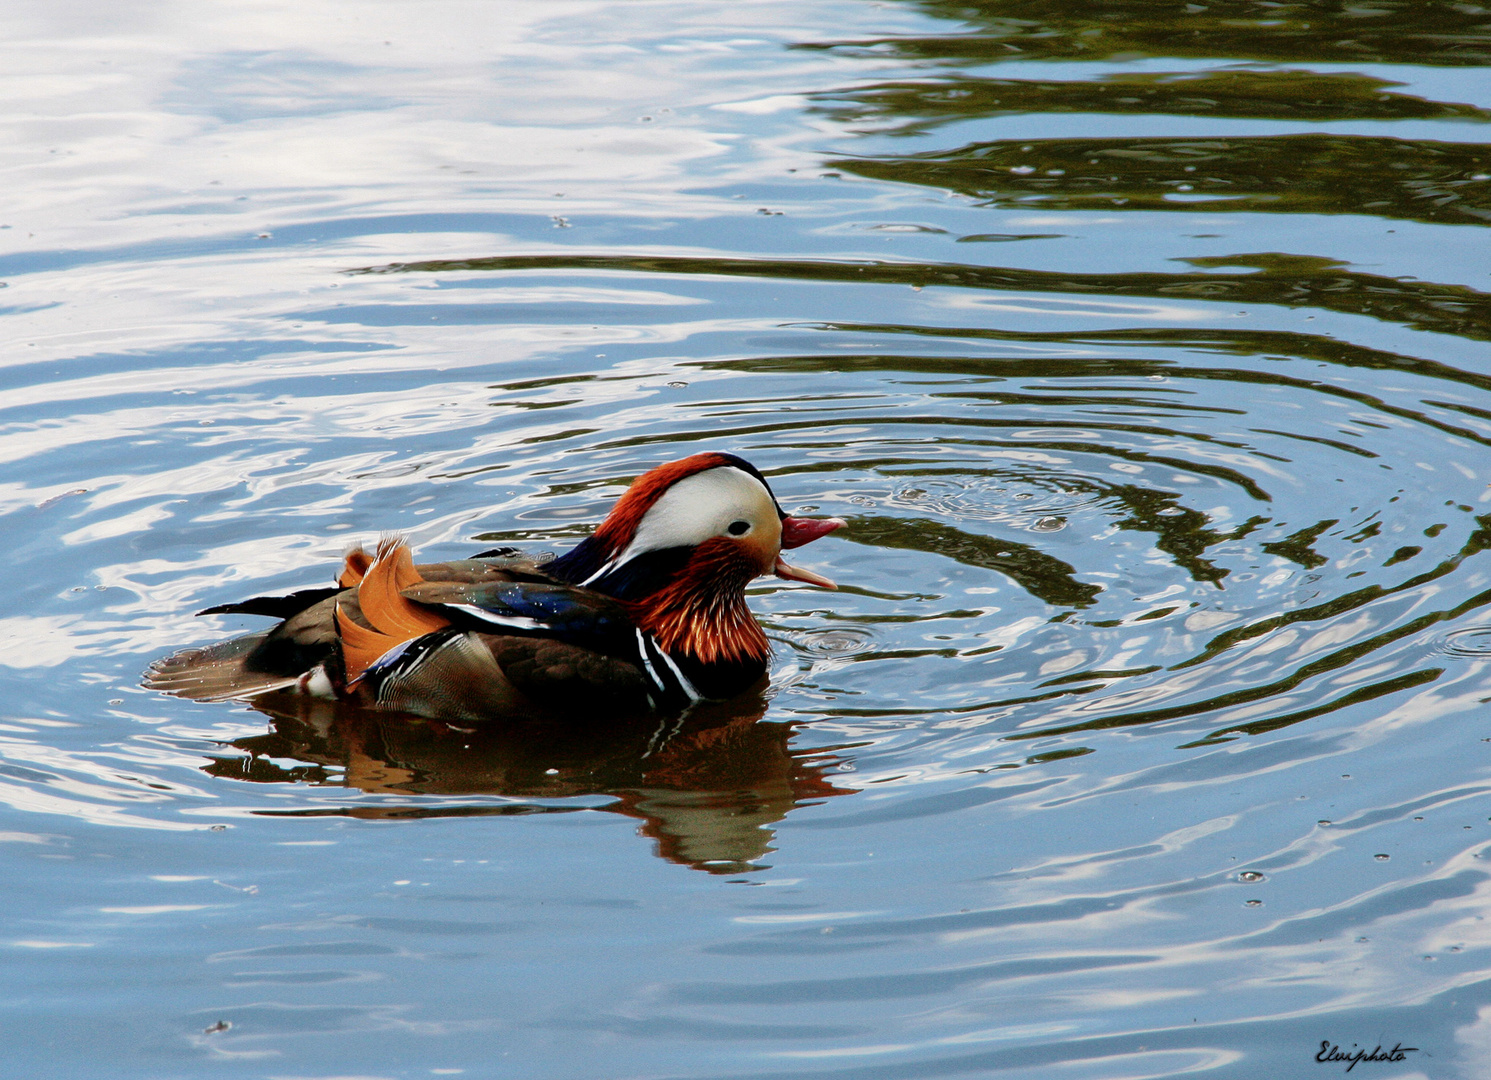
1015 498
1470 643
1112 529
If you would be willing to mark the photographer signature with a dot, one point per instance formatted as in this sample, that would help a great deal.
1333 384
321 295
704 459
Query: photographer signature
1330 1052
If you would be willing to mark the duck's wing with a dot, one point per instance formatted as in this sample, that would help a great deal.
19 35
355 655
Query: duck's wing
477 570
560 646
566 613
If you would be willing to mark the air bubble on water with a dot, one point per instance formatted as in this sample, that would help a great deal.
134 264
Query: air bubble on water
840 641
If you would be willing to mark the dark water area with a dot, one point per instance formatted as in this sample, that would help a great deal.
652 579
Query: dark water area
1142 345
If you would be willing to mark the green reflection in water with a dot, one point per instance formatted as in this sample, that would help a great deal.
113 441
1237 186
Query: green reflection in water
1297 547
1181 531
1410 179
1333 661
1232 342
912 108
1043 576
1280 279
1478 541
1441 33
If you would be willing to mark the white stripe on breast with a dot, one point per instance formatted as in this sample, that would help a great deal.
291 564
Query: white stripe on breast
647 663
683 680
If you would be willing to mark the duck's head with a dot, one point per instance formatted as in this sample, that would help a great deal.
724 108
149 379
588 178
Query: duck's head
714 510
689 536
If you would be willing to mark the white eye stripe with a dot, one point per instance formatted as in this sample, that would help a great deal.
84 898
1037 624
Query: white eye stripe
702 506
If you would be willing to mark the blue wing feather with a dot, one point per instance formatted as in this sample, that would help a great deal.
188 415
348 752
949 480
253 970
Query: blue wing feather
562 612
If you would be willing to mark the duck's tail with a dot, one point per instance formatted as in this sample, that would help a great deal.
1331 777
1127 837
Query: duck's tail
355 624
216 672
275 659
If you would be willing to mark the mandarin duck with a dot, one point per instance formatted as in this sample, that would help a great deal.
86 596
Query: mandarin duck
647 614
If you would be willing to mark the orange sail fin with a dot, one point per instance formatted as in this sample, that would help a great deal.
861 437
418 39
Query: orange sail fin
392 619
379 595
354 567
360 646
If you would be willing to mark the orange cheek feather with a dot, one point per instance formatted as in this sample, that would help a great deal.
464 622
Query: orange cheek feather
703 612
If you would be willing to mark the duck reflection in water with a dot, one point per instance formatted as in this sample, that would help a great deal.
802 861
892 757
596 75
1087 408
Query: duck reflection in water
706 786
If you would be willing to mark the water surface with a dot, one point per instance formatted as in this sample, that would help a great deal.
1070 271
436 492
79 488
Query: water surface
1143 347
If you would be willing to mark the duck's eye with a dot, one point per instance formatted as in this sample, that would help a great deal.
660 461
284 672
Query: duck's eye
739 528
